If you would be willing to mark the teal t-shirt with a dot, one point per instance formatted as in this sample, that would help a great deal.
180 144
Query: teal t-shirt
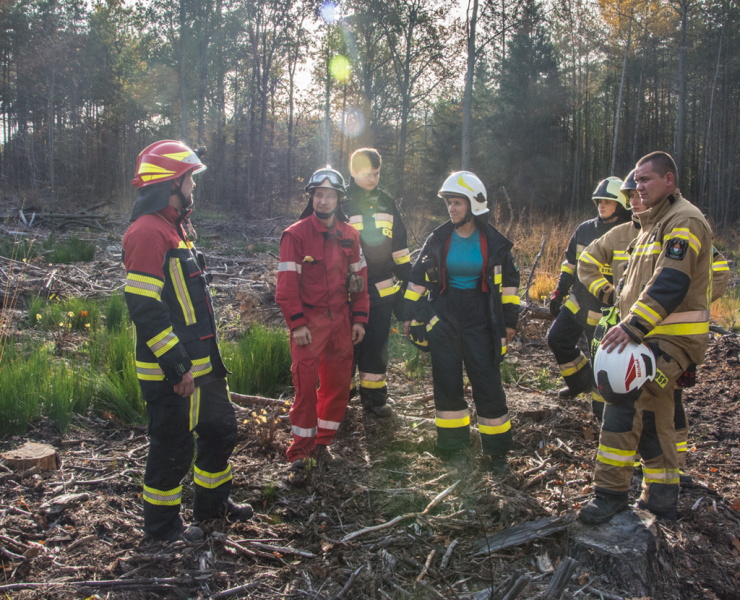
464 261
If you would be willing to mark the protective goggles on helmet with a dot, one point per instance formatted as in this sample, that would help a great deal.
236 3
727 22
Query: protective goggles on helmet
336 181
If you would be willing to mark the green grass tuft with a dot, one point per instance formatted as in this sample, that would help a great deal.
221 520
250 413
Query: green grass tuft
259 361
17 249
68 251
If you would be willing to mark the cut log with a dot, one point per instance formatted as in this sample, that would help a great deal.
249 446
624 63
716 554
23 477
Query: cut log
521 534
561 579
30 455
625 549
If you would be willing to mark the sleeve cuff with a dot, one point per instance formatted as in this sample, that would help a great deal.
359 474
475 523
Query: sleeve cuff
635 334
359 316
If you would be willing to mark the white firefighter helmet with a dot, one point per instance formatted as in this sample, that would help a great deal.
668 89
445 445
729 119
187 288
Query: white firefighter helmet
467 185
621 375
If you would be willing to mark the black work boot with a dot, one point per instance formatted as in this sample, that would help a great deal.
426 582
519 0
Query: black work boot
188 533
603 507
238 512
578 383
498 466
383 411
662 501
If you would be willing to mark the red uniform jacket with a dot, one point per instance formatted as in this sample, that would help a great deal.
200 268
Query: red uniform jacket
314 265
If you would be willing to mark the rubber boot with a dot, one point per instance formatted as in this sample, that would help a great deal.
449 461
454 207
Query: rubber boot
238 512
498 466
189 533
603 507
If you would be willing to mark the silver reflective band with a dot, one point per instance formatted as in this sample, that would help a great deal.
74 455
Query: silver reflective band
302 432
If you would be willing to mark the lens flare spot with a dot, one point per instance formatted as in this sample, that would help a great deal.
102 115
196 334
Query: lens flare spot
329 12
340 68
354 123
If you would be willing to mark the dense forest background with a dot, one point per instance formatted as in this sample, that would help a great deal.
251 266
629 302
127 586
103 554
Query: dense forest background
558 95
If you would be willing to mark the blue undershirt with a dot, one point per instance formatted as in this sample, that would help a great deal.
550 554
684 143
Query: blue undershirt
464 261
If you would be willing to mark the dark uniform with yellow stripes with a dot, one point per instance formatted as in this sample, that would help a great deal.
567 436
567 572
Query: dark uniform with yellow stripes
384 243
466 326
175 332
582 309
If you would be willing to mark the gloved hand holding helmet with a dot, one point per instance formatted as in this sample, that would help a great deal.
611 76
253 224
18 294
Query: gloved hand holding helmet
621 375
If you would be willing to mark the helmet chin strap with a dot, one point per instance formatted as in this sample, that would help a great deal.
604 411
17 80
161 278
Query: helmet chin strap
323 215
468 217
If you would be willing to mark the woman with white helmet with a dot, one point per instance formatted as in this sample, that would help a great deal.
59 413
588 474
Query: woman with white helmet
462 306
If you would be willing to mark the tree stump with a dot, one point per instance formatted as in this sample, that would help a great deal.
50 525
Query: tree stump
30 455
624 549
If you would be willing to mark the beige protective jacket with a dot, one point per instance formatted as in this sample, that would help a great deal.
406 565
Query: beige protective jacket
668 281
609 254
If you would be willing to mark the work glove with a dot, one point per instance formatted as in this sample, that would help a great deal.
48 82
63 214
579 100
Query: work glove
556 303
418 335
687 379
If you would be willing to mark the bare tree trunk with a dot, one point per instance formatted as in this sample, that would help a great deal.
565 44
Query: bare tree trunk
183 84
681 121
639 103
468 95
619 98
702 199
203 69
327 112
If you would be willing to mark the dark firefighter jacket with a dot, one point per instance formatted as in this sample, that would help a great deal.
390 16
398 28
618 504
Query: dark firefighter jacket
668 282
384 240
170 304
499 279
581 302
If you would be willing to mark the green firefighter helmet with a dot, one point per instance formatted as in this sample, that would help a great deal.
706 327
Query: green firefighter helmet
611 189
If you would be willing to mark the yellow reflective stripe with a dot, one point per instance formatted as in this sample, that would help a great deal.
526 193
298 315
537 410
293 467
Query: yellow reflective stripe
401 257
411 295
194 408
572 305
684 233
372 380
152 168
201 366
682 446
493 429
616 457
646 313
163 497
593 318
163 342
620 255
573 367
596 397
372 385
185 245
452 423
149 371
597 285
143 286
387 287
629 453
587 258
681 329
511 300
211 480
720 265
181 291
432 322
665 476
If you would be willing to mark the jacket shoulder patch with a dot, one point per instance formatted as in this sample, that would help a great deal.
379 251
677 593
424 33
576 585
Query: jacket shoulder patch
675 248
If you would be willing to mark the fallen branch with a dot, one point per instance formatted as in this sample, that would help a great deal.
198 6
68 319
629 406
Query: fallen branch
520 534
561 579
282 549
399 518
427 564
242 399
350 582
448 555
540 477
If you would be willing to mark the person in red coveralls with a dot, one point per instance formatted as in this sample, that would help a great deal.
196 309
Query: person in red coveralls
178 363
321 291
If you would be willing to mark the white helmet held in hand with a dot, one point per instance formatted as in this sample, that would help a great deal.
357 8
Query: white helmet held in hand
620 376
467 185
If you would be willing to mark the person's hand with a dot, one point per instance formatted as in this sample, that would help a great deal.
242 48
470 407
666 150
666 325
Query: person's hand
615 337
510 333
302 336
556 302
186 387
358 332
407 328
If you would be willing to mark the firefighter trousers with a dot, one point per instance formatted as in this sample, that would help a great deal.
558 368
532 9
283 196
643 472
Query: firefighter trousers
645 426
316 414
562 339
177 426
371 355
462 334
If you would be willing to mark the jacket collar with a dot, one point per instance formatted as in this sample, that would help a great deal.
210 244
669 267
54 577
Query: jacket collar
319 226
654 214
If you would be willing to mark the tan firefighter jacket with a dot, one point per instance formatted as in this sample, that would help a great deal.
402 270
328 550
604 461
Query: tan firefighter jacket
668 281
609 252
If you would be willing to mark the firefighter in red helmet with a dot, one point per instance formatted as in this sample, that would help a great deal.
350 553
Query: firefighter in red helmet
178 363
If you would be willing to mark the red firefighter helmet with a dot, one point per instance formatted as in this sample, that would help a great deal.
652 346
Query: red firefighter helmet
165 160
